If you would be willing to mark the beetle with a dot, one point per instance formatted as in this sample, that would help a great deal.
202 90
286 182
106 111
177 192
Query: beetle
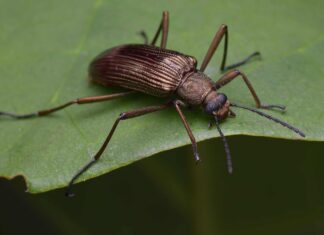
169 74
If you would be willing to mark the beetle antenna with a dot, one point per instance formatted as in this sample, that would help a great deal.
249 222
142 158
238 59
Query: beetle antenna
227 151
299 132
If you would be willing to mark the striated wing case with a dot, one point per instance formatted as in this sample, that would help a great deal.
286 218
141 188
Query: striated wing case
143 68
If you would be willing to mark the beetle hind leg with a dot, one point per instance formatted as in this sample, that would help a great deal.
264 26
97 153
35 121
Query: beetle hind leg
121 117
164 29
84 100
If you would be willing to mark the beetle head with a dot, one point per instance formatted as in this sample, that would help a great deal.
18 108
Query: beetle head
216 104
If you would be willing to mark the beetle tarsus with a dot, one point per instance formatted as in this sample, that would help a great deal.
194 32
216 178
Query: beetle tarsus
143 34
229 169
210 125
69 194
68 191
197 158
274 106
248 59
83 100
17 116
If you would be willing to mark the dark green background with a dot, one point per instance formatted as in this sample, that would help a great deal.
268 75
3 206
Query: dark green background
277 188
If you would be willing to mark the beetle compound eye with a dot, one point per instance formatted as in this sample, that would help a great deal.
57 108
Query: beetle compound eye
221 98
212 106
216 103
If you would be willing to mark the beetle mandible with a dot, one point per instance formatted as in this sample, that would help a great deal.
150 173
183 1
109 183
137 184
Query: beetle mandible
165 73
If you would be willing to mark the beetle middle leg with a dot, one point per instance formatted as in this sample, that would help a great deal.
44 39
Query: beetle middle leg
223 32
129 115
229 76
122 116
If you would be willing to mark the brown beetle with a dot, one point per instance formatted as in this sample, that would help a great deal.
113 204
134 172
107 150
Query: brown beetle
160 72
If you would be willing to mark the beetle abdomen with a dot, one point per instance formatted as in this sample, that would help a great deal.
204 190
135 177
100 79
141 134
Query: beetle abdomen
143 68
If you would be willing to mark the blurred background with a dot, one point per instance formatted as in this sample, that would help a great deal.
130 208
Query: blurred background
277 184
276 188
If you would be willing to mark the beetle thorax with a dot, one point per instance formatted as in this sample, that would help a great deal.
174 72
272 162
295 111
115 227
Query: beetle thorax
198 89
195 88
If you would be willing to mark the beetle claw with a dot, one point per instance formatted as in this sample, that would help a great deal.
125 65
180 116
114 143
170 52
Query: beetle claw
69 194
198 159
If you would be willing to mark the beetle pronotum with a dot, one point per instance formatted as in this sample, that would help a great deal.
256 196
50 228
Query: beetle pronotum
160 72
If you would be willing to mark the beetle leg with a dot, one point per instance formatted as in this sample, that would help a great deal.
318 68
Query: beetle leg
231 113
177 105
164 27
143 34
229 76
223 32
84 100
122 116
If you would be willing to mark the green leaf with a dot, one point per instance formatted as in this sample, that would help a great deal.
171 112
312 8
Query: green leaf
46 47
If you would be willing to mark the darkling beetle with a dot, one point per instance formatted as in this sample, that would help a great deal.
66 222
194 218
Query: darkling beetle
161 72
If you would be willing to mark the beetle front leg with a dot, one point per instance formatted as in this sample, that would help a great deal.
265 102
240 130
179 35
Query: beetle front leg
122 116
229 76
223 32
177 105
